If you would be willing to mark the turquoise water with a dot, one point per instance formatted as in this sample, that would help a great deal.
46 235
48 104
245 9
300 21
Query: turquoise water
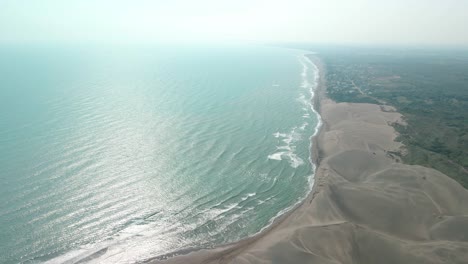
116 156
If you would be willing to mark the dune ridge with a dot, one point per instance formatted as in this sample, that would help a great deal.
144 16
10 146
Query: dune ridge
366 206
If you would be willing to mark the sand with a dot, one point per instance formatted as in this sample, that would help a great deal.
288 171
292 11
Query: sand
366 206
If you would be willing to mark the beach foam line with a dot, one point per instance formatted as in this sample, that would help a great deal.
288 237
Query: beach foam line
305 61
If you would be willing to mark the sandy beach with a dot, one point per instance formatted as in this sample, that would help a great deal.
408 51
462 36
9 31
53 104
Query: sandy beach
365 207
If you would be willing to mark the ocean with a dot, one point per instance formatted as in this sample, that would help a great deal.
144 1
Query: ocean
117 155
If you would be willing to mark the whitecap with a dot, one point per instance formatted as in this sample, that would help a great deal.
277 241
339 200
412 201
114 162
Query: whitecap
278 134
276 156
247 196
283 147
295 161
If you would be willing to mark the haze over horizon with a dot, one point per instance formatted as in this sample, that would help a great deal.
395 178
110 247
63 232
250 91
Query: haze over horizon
436 23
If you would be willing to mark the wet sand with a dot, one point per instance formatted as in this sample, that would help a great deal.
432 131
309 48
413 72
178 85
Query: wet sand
365 207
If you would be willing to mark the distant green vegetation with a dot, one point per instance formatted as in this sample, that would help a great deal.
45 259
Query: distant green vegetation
429 88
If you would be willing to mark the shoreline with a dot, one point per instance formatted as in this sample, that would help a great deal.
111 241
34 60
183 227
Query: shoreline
365 206
206 255
318 96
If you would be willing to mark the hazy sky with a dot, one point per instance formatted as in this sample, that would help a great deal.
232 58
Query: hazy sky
429 22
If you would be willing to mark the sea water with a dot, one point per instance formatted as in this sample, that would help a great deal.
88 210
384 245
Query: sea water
120 155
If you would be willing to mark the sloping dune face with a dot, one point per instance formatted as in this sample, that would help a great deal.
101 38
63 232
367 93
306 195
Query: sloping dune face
366 206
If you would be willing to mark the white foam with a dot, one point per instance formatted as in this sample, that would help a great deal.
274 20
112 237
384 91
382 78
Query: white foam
276 156
311 86
295 161
278 134
303 100
67 257
288 148
283 147
247 196
214 213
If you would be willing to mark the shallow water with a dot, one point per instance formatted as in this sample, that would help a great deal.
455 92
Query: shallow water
130 154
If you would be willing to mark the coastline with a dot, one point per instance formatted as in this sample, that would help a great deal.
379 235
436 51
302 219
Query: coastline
225 252
365 206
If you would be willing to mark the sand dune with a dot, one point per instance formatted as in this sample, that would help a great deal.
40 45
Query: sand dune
366 206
